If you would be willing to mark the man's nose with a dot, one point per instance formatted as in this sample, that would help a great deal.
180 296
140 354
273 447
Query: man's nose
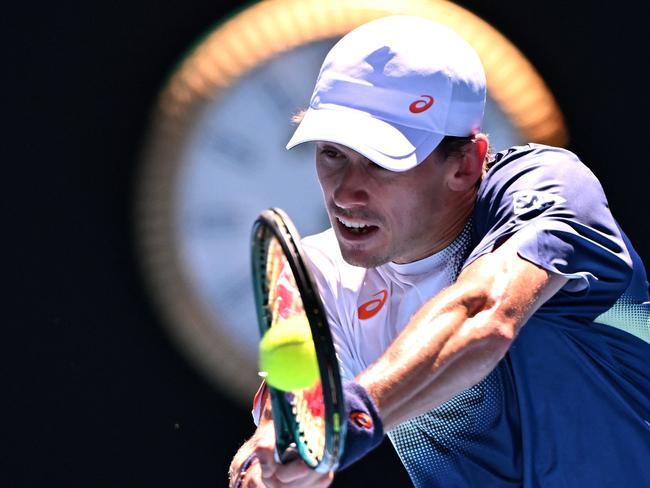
352 188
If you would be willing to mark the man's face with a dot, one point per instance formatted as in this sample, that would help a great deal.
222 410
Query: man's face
380 215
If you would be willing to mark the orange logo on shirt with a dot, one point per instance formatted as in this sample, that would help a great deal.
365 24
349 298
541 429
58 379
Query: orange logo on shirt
372 307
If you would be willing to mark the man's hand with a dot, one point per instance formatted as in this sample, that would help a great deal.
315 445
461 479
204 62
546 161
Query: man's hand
262 469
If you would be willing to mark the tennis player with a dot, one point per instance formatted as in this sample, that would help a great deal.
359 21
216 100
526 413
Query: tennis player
490 316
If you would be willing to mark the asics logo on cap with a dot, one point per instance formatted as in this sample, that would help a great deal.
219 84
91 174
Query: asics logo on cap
372 307
421 104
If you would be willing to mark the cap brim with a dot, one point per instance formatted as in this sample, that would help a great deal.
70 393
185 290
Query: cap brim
394 147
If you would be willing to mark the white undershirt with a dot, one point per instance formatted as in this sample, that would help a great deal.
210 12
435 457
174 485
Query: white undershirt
345 288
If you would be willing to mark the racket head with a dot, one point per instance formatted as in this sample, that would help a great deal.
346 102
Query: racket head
307 421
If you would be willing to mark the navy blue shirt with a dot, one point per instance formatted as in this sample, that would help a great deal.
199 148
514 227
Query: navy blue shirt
569 405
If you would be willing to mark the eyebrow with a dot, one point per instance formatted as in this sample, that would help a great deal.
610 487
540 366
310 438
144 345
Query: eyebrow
333 145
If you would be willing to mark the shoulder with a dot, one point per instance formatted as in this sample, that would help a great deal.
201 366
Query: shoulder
533 150
522 160
536 174
558 205
327 264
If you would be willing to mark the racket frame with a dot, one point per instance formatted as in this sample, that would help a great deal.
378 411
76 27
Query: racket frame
274 222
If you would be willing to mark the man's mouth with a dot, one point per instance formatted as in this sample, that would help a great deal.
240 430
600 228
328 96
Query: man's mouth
351 227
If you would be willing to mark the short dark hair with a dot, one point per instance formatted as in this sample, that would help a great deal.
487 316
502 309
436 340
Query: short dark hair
453 145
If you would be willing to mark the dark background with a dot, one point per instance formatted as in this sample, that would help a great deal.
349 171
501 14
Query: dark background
94 393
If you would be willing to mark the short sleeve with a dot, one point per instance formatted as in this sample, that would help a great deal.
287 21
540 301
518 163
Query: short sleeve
561 215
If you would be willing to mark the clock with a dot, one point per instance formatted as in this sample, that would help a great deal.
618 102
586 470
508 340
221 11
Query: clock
214 158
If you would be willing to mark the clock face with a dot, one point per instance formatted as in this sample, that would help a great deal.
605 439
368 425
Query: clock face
216 158
235 165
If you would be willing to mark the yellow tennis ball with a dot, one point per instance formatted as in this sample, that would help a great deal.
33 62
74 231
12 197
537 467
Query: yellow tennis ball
287 355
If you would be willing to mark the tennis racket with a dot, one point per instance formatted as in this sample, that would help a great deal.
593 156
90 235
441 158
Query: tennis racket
307 422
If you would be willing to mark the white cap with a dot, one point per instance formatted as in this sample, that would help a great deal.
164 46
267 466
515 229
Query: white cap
391 90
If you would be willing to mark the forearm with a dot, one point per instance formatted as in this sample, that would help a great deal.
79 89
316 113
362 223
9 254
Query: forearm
458 336
449 345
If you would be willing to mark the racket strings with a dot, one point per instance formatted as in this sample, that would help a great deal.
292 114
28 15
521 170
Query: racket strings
283 297
309 411
274 264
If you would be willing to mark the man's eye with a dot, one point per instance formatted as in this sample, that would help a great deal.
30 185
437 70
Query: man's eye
330 153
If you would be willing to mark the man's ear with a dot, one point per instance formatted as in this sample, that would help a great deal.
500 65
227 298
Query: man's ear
468 167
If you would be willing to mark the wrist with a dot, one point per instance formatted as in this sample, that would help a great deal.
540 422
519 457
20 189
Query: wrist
365 429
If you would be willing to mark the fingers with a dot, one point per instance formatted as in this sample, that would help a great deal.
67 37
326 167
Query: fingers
295 474
260 468
252 478
265 450
293 471
298 474
241 474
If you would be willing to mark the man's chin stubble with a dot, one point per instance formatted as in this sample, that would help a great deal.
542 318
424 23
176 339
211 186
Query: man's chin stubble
363 260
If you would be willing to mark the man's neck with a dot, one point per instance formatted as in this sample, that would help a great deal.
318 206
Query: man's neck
451 225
